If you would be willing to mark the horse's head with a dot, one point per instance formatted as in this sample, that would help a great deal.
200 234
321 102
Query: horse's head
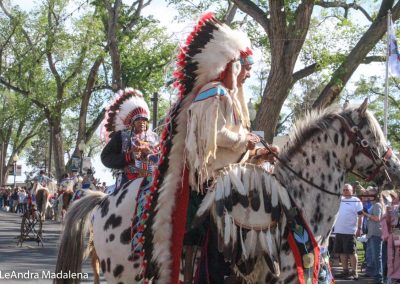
371 158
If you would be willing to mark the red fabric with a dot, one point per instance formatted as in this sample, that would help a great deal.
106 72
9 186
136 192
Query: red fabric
316 259
297 257
178 226
299 261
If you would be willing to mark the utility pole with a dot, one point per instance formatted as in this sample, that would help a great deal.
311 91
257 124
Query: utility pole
154 99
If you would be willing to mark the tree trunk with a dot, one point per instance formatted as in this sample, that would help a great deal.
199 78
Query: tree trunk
113 14
6 136
91 80
274 96
58 149
286 41
4 173
284 54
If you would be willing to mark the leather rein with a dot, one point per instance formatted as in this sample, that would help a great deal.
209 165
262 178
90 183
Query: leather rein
361 145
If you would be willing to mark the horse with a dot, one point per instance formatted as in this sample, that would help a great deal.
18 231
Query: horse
65 194
309 175
65 201
42 198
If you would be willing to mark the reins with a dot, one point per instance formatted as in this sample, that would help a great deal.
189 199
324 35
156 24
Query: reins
360 144
265 144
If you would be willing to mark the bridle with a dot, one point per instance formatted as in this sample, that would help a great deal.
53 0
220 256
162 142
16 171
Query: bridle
361 145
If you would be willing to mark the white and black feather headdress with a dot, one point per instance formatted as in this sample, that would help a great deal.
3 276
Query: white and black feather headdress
126 108
203 58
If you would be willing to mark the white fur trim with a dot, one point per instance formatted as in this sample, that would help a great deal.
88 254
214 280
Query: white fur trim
218 52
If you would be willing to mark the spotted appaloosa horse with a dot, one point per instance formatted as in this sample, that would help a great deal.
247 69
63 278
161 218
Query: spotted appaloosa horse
322 149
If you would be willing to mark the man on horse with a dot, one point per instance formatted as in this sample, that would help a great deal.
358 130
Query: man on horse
133 148
41 179
208 130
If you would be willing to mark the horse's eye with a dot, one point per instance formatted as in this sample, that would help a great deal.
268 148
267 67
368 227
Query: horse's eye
354 129
364 143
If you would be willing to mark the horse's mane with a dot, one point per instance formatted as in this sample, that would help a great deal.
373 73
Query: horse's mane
317 121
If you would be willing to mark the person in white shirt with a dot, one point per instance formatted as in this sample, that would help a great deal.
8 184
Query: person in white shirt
347 227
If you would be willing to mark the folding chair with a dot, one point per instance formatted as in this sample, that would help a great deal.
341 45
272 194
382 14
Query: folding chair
29 231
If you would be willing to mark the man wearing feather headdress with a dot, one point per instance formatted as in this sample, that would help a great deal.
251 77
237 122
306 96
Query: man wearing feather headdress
207 129
133 148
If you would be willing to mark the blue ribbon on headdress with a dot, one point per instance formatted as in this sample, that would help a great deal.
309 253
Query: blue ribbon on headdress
248 60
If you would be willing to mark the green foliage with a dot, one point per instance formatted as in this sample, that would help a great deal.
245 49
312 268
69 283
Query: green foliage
145 55
37 152
373 88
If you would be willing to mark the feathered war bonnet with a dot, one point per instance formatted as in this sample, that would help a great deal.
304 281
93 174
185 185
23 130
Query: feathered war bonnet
128 106
208 50
203 58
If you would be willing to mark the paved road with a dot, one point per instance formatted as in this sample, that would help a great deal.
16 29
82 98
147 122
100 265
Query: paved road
362 280
36 259
30 257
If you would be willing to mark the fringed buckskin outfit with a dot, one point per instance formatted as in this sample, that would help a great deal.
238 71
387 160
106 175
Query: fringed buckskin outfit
217 128
205 130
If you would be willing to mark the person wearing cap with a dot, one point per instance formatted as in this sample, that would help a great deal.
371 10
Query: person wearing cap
132 148
374 234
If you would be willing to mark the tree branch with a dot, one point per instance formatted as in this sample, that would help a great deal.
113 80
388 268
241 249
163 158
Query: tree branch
78 67
310 69
49 55
230 13
344 5
92 128
27 95
343 73
250 8
13 19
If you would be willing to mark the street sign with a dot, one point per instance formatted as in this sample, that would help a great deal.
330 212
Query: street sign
75 163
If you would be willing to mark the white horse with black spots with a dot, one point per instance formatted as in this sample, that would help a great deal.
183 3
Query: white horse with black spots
311 171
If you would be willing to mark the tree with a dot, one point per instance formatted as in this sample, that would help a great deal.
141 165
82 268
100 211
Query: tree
282 31
373 88
20 122
57 67
138 50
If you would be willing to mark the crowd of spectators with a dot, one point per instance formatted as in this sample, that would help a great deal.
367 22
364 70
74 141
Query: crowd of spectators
373 219
14 200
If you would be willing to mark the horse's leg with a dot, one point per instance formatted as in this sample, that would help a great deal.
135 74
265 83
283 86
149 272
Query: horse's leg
43 209
62 215
95 265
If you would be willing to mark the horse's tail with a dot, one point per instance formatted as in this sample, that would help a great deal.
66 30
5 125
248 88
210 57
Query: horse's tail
71 250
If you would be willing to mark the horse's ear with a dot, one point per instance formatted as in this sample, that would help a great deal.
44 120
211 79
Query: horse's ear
363 108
